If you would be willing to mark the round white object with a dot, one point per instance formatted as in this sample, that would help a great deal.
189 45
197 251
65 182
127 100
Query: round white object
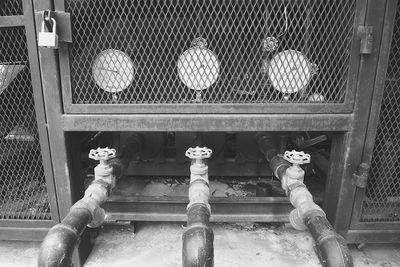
316 98
113 70
198 68
289 71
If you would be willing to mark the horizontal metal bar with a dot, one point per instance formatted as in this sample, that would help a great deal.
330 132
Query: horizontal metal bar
26 223
208 122
373 236
182 169
23 234
12 21
382 225
249 209
205 108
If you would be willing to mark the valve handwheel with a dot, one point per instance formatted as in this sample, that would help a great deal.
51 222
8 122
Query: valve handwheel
296 157
198 153
102 154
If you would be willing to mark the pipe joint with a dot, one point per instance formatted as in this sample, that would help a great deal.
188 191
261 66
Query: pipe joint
98 190
199 172
105 173
199 192
295 172
97 213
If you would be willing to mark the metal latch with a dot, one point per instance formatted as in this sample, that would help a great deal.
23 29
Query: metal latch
56 23
365 33
360 177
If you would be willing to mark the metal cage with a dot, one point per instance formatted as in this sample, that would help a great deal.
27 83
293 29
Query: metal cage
382 194
376 211
123 72
211 56
25 173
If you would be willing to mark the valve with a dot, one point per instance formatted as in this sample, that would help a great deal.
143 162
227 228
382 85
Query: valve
198 154
294 173
297 158
102 154
103 171
199 191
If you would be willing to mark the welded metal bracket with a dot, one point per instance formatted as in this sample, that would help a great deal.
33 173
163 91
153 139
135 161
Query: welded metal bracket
63 27
365 33
360 177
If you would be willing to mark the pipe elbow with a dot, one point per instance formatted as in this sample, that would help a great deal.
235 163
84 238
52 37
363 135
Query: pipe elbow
198 238
57 247
198 250
331 248
333 252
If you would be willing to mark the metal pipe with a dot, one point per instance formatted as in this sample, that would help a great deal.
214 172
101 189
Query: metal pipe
198 237
331 247
120 163
57 247
198 247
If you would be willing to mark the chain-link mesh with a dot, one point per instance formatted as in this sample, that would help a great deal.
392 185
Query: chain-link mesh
23 192
11 7
210 51
382 196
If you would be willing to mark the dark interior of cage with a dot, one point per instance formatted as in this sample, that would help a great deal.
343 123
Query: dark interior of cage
238 171
155 33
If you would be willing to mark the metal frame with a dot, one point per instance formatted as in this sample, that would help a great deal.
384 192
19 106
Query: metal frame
257 209
380 229
254 108
346 148
33 229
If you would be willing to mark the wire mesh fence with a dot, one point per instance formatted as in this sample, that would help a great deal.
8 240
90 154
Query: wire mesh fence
382 196
209 51
23 193
11 7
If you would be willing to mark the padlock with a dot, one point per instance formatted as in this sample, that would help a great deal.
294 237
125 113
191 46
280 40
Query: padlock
48 39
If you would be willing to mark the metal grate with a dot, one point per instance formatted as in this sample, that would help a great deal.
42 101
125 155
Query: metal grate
209 51
23 192
382 196
11 7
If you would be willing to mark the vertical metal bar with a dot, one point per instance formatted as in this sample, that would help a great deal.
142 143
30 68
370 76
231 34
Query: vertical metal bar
340 190
51 88
66 195
65 71
39 107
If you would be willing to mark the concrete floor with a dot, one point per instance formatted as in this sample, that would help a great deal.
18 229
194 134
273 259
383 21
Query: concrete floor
159 244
